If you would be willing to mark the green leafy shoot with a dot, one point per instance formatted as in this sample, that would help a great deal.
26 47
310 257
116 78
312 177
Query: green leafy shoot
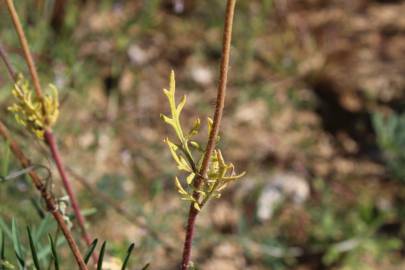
220 173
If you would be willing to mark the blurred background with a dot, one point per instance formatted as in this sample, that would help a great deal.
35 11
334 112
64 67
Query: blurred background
314 114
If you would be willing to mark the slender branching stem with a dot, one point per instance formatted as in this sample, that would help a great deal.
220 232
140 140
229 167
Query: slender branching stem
48 136
220 102
48 198
24 45
7 62
50 139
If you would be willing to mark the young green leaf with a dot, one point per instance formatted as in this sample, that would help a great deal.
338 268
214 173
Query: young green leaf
33 250
195 129
174 121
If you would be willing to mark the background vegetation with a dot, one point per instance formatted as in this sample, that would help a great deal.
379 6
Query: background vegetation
314 114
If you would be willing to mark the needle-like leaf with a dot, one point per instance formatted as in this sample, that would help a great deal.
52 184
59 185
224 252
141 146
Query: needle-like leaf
129 252
54 253
33 250
90 251
101 256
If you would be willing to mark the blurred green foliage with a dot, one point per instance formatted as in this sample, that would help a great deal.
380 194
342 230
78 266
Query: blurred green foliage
390 132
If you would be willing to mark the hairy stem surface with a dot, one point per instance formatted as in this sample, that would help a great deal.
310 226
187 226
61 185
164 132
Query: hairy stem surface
24 45
6 60
48 198
49 137
219 107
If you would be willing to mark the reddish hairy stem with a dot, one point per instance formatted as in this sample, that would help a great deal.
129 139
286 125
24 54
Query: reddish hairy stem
219 107
24 45
48 198
192 216
6 60
49 137
50 140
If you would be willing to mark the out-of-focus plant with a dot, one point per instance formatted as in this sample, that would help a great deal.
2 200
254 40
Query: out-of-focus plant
34 114
343 237
390 133
34 254
40 113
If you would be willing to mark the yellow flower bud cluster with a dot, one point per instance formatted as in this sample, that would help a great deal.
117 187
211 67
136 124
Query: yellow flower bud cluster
36 114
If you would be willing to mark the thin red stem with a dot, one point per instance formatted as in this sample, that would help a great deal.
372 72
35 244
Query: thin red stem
7 62
220 103
50 140
48 198
192 216
49 137
24 45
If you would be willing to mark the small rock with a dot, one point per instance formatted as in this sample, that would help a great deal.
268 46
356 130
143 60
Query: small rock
280 186
202 75
139 55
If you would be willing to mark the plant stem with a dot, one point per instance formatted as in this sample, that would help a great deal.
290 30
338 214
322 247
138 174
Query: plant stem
7 62
48 136
50 140
48 198
24 45
219 107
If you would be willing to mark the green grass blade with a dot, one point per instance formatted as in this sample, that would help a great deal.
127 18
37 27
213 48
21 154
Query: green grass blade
129 252
2 249
44 227
33 250
54 253
44 252
17 244
5 228
101 257
90 251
